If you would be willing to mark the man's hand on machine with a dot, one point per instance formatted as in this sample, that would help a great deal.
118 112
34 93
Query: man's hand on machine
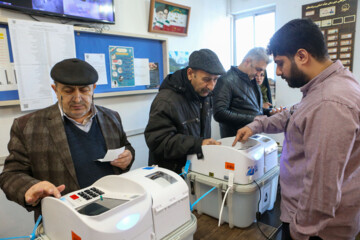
210 141
242 135
40 190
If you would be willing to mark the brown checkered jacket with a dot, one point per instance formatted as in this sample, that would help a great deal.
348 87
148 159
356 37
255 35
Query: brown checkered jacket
39 151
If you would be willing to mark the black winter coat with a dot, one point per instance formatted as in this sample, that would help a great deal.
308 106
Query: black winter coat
179 120
236 104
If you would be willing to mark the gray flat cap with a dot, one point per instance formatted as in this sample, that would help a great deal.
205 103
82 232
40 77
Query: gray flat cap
206 60
74 71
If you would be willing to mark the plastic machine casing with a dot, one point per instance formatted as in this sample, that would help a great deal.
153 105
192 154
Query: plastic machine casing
249 161
170 197
255 160
146 203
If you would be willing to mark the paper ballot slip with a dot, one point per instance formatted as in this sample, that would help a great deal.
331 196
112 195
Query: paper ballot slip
112 154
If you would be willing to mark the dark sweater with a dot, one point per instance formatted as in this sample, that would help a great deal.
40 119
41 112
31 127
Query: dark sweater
85 147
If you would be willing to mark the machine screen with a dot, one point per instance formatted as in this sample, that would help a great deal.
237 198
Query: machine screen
244 147
162 178
100 206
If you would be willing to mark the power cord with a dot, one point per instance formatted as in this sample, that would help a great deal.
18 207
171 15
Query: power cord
258 214
186 169
192 205
34 18
31 236
230 186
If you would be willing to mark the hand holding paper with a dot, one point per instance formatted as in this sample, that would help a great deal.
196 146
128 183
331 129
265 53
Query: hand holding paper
112 154
120 157
123 160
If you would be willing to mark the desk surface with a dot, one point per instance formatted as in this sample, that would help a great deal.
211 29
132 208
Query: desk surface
207 228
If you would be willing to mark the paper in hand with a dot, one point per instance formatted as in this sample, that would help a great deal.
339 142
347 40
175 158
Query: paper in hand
112 154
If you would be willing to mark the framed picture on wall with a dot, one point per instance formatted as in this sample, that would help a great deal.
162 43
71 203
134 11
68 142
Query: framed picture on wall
169 18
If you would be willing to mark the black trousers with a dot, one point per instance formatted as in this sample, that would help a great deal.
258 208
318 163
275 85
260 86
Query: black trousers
286 233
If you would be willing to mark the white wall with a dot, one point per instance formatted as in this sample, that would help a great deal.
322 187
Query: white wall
209 27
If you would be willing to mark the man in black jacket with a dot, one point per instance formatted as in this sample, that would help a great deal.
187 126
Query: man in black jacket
237 97
180 115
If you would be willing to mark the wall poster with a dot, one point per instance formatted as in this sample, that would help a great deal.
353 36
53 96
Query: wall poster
178 60
337 21
122 66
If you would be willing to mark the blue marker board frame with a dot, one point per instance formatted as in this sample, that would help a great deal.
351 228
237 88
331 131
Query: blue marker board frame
155 49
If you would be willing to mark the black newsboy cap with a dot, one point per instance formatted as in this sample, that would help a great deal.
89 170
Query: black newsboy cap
74 71
206 60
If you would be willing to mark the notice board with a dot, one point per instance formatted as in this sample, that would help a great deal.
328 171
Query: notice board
337 21
90 41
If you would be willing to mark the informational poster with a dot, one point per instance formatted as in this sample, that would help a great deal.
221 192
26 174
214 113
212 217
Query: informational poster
122 66
141 71
178 60
7 71
97 60
36 48
154 75
337 21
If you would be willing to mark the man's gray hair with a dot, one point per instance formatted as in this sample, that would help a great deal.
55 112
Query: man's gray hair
258 54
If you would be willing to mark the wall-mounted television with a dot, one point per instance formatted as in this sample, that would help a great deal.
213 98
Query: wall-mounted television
101 11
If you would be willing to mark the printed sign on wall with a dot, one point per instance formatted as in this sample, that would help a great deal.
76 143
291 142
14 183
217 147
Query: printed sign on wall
337 21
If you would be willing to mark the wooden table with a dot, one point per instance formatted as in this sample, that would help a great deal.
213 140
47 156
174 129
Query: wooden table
207 228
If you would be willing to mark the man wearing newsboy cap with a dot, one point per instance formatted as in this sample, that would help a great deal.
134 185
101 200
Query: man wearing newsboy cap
53 150
180 115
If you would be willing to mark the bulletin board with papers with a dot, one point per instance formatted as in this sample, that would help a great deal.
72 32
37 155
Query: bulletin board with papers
127 64
127 60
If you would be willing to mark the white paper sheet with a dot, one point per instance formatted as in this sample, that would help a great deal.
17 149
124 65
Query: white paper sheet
36 48
98 62
142 71
112 154
7 76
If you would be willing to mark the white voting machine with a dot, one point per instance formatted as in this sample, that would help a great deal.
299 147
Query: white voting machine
248 161
253 171
147 203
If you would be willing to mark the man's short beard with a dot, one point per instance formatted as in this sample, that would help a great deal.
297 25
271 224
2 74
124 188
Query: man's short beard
297 78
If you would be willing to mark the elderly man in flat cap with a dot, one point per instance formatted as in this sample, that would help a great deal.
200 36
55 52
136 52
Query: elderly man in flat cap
52 151
180 115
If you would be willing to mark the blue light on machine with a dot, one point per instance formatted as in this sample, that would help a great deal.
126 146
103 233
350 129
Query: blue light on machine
257 155
128 222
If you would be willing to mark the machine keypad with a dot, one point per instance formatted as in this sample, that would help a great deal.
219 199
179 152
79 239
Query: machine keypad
97 190
90 193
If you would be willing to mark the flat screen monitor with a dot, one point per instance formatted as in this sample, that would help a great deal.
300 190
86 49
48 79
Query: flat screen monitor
101 11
